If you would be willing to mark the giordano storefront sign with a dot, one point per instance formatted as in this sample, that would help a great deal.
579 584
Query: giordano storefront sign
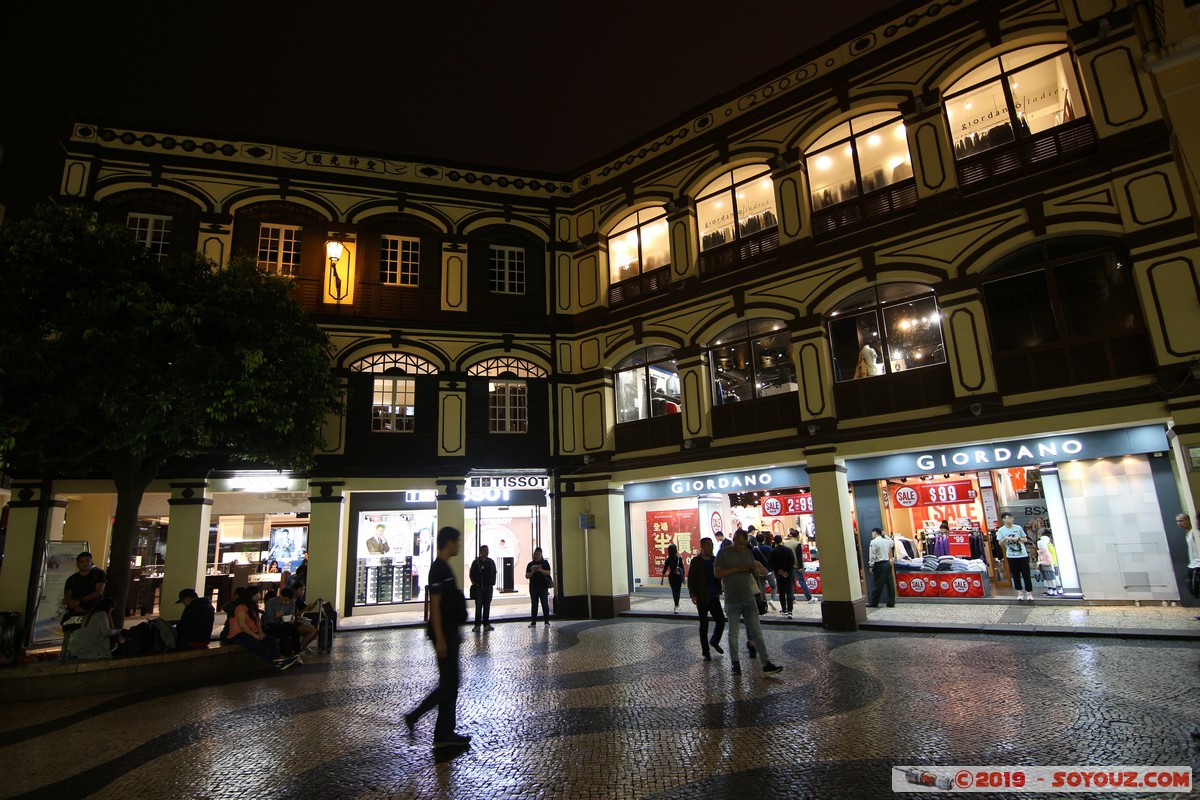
1013 453
718 483
989 455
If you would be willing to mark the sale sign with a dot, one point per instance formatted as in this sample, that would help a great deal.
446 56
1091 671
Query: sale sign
916 584
960 584
906 495
680 527
785 505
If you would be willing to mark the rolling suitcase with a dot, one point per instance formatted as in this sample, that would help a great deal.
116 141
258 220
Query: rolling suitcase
326 626
10 637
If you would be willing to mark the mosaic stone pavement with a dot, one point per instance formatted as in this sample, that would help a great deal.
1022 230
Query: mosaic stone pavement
619 709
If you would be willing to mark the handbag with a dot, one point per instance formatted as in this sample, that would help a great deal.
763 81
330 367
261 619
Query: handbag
72 622
474 592
549 581
762 604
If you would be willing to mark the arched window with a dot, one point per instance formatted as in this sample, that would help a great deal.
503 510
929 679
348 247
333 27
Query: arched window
752 360
858 157
886 329
737 205
508 399
1013 97
638 244
1064 312
648 385
393 398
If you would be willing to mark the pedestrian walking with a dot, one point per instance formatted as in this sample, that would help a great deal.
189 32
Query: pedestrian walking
881 569
673 572
704 589
1192 537
737 569
782 564
447 611
483 583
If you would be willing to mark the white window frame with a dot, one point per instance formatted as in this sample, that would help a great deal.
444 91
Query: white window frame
393 405
279 260
508 406
506 269
399 260
152 231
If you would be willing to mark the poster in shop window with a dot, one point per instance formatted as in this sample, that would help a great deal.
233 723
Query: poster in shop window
680 527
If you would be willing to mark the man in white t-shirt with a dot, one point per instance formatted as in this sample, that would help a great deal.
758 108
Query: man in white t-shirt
1014 539
1193 546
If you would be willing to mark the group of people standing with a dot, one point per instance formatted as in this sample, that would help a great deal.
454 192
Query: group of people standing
482 575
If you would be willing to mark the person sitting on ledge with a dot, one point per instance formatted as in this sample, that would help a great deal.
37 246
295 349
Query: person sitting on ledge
195 627
95 639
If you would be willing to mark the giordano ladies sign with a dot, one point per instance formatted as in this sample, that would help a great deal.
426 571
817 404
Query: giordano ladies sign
1013 453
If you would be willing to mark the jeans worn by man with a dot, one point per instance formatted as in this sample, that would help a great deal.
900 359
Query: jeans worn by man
737 569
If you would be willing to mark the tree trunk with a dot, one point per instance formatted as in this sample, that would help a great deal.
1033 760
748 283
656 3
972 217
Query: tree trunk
131 475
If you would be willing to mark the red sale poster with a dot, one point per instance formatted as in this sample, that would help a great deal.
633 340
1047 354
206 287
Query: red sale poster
918 584
680 527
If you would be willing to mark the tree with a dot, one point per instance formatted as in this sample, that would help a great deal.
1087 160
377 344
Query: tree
114 363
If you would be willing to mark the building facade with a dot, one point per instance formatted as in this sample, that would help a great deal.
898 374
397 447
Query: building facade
939 269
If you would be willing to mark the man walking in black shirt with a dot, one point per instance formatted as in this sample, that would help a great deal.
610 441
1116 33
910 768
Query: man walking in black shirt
447 611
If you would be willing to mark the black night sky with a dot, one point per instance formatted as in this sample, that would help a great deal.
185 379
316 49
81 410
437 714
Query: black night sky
542 86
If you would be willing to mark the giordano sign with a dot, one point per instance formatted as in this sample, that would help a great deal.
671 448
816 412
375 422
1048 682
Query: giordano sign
718 483
1013 453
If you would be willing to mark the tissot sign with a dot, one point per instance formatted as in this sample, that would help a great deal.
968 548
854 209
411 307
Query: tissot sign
1012 453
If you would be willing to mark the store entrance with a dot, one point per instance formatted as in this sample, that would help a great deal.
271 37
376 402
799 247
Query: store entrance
511 534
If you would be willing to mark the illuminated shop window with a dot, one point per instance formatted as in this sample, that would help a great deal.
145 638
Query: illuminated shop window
884 330
1011 97
393 396
399 260
507 270
752 360
736 205
279 249
393 405
648 385
152 231
508 400
638 244
858 157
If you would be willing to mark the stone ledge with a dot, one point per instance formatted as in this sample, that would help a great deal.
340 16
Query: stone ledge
46 680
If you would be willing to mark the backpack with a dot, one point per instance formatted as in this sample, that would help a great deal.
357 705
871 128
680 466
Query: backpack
138 641
163 635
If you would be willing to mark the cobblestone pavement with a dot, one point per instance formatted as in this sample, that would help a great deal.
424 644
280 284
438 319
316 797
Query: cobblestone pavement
622 708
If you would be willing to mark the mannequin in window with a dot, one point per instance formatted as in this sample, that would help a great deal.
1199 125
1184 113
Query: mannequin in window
869 364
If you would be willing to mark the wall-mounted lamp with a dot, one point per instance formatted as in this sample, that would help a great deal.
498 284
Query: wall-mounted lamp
587 459
812 428
335 250
976 408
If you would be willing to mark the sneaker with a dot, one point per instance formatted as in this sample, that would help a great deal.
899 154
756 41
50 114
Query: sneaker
475 629
1020 595
772 669
789 615
676 611
310 649
707 657
533 624
736 669
717 646
411 725
547 623
288 663
488 628
815 600
453 740
753 653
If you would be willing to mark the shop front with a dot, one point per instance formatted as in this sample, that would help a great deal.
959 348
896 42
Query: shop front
1097 502
393 538
681 511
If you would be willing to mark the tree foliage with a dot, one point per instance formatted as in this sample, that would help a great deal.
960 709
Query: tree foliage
113 362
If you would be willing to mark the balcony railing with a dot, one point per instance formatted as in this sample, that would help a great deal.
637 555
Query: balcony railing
1030 154
738 253
641 287
898 391
777 412
1074 362
866 210
645 434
